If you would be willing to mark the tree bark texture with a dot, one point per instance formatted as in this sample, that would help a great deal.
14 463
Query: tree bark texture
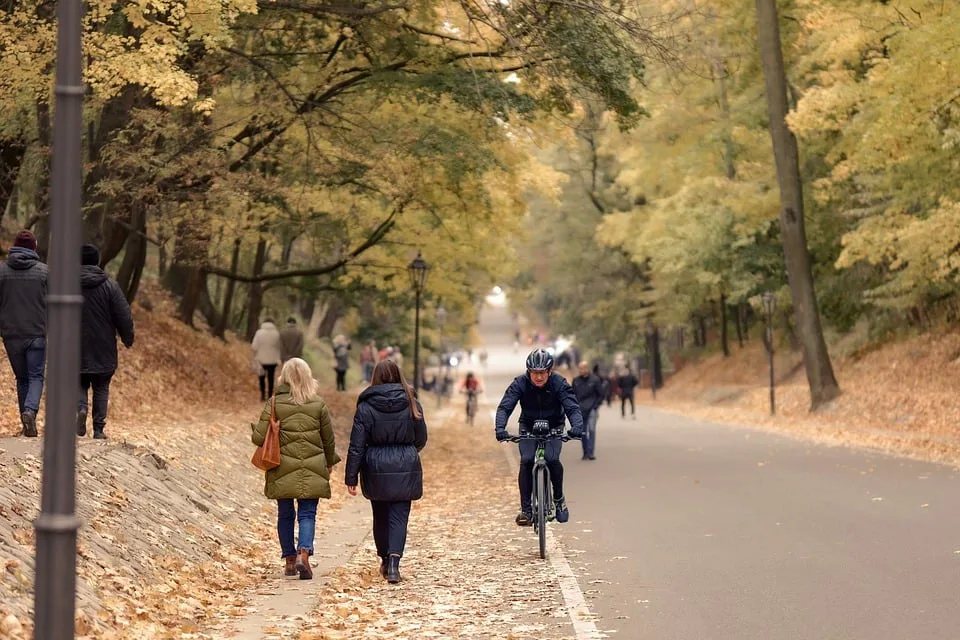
820 378
221 329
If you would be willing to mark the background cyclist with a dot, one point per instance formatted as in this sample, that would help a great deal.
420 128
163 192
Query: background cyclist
542 395
472 387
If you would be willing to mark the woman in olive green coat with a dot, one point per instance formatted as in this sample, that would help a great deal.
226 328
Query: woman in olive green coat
307 457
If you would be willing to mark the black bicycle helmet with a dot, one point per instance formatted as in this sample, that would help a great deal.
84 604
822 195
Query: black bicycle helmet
539 360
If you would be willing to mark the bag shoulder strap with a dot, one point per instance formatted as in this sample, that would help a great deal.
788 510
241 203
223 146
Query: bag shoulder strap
273 408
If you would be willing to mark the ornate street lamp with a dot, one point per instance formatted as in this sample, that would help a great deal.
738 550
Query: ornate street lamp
57 525
769 303
418 278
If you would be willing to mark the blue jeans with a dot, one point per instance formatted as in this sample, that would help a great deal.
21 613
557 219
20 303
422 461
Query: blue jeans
306 514
589 440
27 359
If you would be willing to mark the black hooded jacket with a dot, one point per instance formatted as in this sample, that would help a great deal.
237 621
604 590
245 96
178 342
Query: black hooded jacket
105 314
23 295
385 444
553 402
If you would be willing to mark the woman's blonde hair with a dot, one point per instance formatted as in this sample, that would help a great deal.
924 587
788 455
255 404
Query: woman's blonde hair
297 374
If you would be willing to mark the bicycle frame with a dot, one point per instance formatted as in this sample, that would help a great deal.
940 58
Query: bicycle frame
540 469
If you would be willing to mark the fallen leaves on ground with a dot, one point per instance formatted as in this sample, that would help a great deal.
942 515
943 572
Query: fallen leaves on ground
468 571
177 535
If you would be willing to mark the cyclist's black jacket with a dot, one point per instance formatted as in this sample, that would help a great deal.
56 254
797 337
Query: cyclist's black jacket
550 402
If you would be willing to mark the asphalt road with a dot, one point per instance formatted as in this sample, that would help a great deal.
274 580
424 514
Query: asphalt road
689 531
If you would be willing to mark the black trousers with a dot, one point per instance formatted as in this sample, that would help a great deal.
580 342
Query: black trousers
341 380
623 405
528 450
101 396
266 380
390 526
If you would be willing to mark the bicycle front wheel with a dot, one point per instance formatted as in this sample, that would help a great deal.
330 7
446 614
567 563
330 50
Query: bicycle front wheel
540 481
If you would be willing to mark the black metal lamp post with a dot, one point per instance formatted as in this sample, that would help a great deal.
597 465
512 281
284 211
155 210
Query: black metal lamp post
769 302
418 278
57 524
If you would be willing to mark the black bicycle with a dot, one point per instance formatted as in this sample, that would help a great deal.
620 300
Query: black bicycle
541 500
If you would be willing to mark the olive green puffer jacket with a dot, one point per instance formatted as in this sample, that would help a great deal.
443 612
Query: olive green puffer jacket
306 448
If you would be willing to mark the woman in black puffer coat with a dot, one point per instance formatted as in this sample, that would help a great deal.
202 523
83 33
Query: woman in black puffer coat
388 434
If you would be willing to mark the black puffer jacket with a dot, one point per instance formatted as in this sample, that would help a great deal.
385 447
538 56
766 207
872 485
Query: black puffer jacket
23 295
385 444
105 314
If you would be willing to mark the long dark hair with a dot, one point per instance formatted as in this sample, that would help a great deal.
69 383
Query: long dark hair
387 372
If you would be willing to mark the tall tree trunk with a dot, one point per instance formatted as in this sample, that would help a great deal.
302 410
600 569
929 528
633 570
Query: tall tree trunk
186 276
820 378
220 330
206 305
42 202
191 296
702 326
255 297
739 319
333 314
135 256
11 159
723 326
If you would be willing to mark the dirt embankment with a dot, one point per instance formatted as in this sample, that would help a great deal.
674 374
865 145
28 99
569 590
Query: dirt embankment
902 397
176 525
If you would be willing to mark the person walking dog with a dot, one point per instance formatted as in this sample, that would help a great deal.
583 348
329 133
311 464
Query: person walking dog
388 434
307 456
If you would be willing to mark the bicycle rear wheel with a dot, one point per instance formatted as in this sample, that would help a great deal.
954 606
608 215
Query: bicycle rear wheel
540 516
471 409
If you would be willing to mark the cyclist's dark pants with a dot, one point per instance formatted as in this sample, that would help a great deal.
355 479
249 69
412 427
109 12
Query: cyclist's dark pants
528 449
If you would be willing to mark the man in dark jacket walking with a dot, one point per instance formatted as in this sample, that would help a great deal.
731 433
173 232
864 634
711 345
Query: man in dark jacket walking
23 324
291 341
627 383
106 313
590 394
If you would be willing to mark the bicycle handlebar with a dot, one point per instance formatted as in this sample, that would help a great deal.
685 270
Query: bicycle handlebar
530 436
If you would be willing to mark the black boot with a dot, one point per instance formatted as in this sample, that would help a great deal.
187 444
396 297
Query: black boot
393 569
29 420
81 423
383 567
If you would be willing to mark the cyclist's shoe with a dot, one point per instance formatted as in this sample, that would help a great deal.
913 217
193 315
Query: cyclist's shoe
560 509
524 519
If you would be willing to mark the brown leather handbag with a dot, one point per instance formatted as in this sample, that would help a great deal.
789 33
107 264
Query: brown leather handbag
267 455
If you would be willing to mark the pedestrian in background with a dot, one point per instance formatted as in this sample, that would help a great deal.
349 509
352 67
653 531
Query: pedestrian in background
23 324
368 360
628 384
266 353
341 353
291 341
307 458
106 313
384 455
589 389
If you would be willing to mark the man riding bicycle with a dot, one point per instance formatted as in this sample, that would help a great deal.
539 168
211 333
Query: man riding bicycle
542 395
471 386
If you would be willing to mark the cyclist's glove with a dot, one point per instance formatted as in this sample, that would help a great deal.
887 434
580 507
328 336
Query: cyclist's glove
502 435
576 435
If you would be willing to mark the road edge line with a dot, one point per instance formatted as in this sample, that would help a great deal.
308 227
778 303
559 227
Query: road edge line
579 612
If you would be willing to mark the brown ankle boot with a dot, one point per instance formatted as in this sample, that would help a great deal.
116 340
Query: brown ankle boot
290 568
303 565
